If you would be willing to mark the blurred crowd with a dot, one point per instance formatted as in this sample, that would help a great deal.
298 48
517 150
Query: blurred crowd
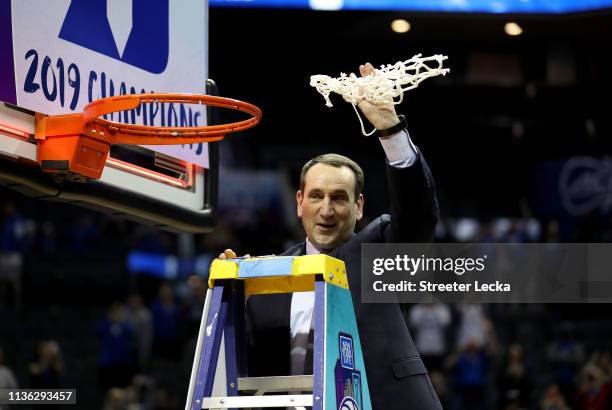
132 343
477 360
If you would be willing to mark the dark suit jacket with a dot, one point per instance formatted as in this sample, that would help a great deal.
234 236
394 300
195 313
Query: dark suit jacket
396 375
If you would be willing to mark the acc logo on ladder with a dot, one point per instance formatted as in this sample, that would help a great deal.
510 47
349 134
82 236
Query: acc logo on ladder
348 404
135 32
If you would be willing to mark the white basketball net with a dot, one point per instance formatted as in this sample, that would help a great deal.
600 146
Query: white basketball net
386 85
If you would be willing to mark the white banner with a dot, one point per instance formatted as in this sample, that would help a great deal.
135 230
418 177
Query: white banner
68 53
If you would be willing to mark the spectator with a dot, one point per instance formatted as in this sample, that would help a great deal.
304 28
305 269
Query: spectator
430 322
139 316
47 240
47 369
566 355
595 389
515 233
141 392
552 232
604 361
15 232
166 324
137 396
11 267
470 368
15 229
164 400
474 326
514 383
117 348
553 399
115 399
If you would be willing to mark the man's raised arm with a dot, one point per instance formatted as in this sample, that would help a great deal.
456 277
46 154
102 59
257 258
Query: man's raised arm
412 195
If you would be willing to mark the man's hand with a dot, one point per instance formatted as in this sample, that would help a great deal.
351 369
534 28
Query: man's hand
227 254
381 116
230 254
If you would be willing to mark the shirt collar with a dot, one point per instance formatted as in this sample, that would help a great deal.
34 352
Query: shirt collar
311 250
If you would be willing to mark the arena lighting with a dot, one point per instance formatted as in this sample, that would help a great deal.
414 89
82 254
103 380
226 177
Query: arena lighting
326 4
400 26
513 29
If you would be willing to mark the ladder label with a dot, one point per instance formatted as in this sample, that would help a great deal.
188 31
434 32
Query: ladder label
347 357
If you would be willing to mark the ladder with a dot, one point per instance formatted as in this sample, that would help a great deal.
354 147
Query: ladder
219 378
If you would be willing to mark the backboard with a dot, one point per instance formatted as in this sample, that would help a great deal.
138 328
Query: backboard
58 56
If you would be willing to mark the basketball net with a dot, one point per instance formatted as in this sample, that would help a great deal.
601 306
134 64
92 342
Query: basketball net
385 85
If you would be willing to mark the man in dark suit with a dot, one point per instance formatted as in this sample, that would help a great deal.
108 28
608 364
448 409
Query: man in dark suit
329 204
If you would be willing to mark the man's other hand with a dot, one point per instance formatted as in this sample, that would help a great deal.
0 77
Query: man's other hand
230 254
381 116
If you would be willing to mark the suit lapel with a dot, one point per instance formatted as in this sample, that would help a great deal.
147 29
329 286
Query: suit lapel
297 250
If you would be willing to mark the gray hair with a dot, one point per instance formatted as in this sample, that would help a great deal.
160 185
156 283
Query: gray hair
338 161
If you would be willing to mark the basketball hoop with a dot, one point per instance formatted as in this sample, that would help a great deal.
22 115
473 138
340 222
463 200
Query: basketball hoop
80 143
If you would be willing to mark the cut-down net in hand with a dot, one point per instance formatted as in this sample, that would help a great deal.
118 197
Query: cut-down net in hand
385 85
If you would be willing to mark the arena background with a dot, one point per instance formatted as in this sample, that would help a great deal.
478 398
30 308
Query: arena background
496 131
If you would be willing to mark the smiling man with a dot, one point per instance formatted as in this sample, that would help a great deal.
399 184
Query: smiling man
332 203
329 204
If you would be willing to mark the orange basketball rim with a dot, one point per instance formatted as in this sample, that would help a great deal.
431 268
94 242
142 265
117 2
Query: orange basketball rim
80 143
